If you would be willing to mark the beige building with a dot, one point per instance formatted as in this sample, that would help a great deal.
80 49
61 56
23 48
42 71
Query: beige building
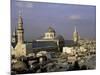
69 50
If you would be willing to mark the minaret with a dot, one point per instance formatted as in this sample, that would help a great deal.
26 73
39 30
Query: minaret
75 36
14 37
20 30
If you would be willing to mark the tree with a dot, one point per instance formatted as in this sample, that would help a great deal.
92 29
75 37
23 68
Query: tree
76 66
83 67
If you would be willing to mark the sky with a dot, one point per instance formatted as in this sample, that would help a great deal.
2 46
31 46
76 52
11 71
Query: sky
38 16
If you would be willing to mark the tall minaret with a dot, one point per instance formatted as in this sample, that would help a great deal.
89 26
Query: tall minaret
20 30
75 36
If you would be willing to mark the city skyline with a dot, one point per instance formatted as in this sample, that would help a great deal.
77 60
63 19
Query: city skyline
47 37
38 16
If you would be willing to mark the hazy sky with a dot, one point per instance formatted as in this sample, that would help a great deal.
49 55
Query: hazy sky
37 17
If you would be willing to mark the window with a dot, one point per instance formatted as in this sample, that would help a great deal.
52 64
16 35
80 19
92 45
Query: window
47 35
51 35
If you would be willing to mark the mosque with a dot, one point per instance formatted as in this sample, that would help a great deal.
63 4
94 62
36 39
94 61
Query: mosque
49 42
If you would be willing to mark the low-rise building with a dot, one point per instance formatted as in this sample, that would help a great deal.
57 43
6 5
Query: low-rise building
69 50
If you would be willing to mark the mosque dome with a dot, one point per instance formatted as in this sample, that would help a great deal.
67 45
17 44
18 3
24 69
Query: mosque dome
60 37
50 29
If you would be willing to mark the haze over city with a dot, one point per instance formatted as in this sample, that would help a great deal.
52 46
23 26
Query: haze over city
37 17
